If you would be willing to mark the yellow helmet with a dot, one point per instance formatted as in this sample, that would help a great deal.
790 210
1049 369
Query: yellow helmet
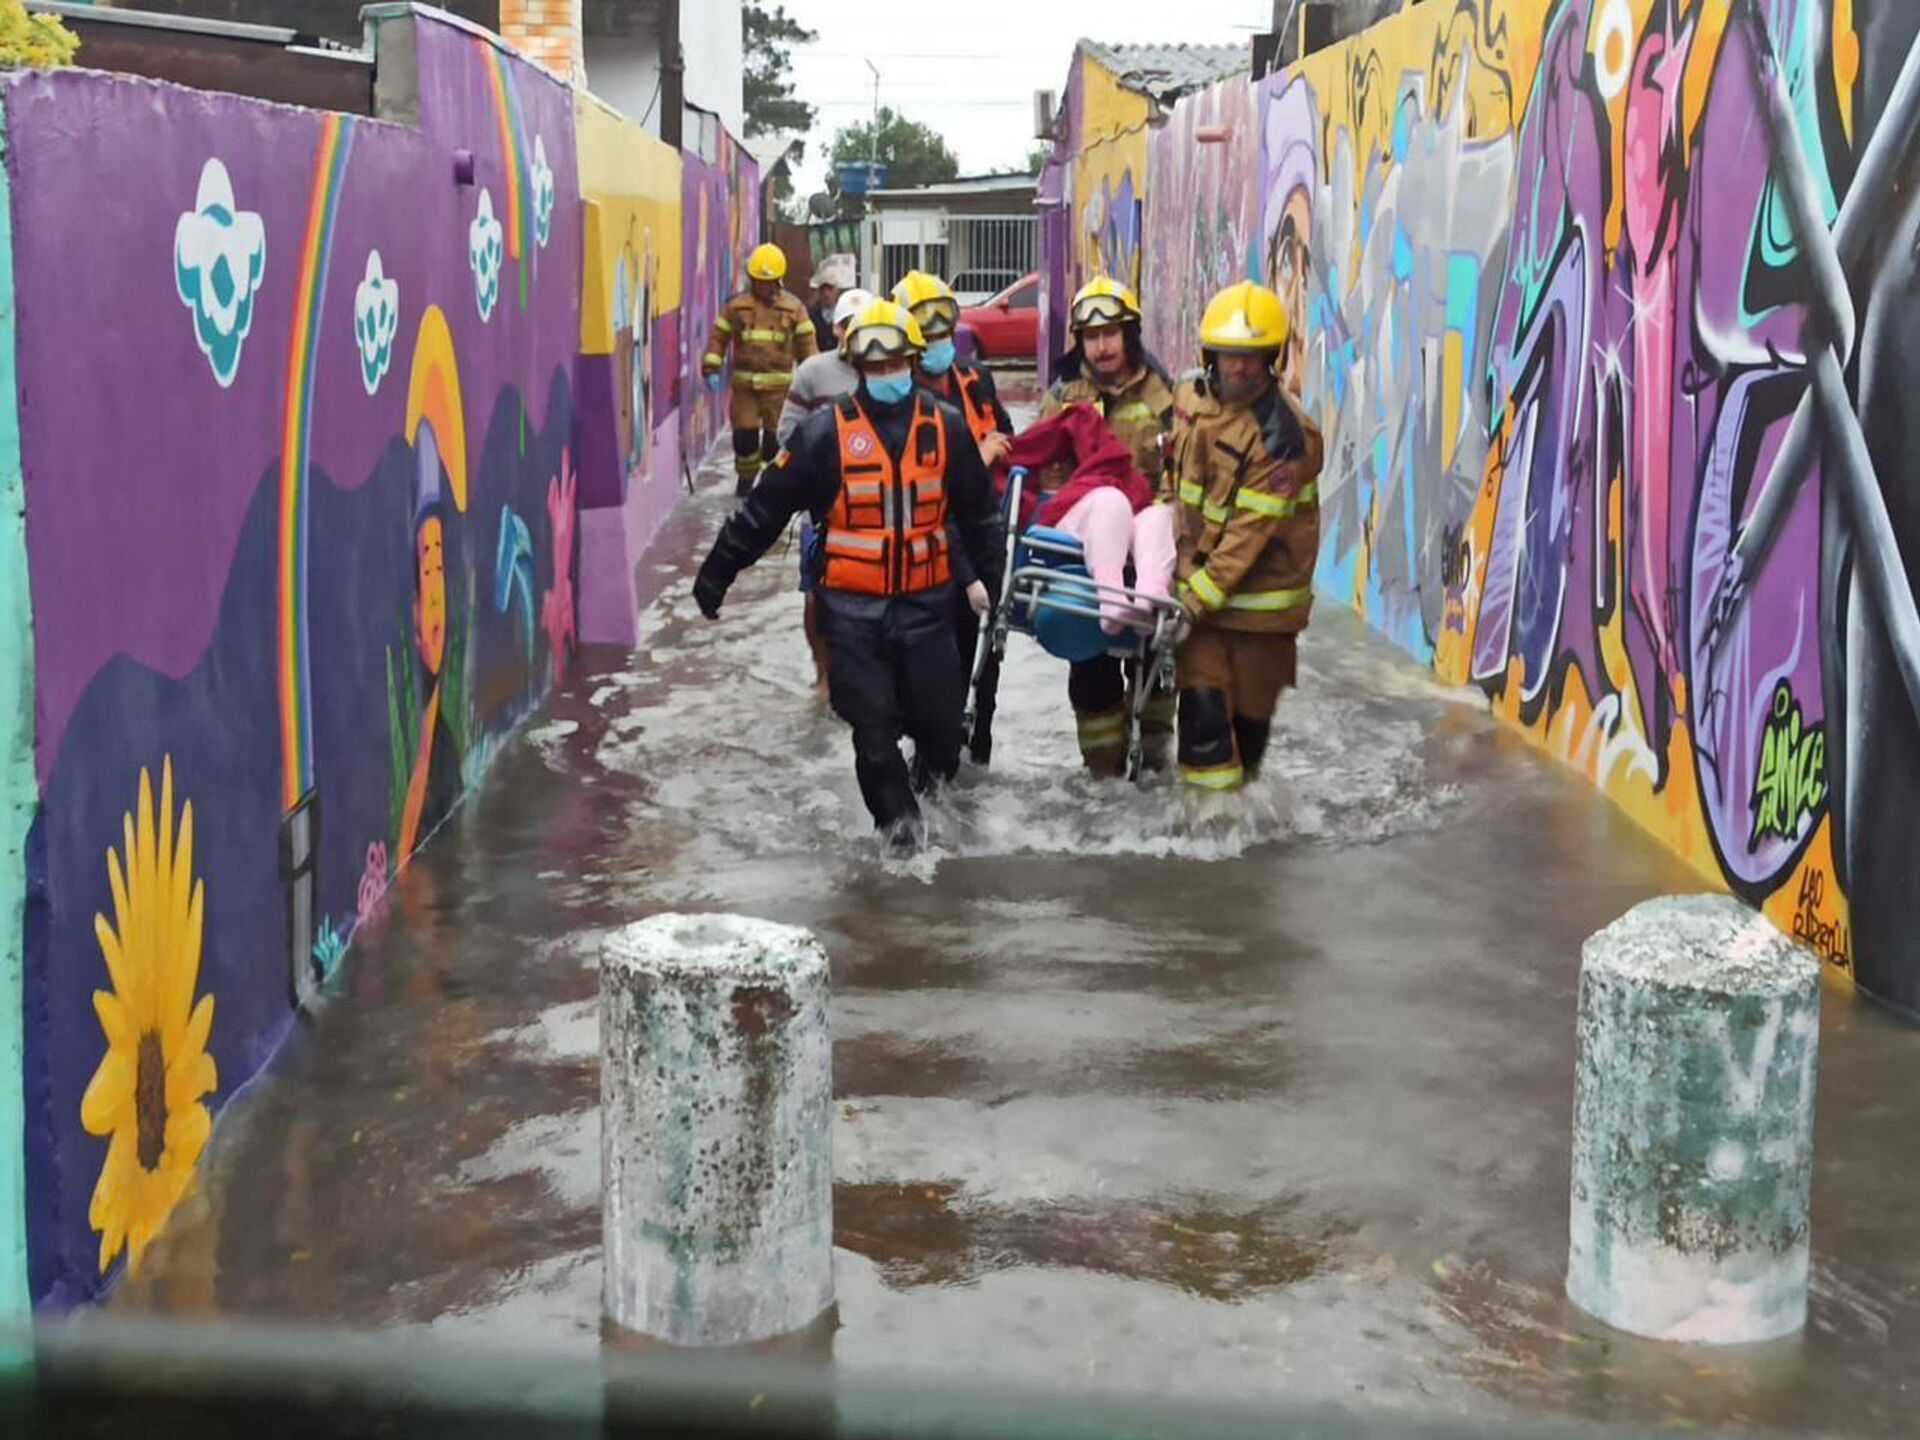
928 299
767 262
1102 301
1244 317
882 331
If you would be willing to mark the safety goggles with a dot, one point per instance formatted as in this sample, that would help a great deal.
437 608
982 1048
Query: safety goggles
1100 310
878 342
937 317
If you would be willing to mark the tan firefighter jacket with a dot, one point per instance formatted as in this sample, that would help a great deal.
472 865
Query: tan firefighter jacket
1244 483
1140 413
767 340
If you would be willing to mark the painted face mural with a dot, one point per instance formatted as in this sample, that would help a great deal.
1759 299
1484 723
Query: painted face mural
430 592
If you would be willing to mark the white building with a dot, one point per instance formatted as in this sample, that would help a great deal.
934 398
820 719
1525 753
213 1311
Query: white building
625 40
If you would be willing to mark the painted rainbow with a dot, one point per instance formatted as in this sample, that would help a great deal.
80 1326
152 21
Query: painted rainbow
513 150
296 704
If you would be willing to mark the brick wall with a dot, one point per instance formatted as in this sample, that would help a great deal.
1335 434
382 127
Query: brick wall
547 31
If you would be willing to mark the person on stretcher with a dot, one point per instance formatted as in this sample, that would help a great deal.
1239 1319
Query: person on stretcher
1105 503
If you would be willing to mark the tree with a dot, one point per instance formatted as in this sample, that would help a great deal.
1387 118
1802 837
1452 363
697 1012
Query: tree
33 39
913 154
1037 158
768 33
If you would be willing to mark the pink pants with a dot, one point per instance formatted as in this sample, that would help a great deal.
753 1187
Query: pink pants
1105 523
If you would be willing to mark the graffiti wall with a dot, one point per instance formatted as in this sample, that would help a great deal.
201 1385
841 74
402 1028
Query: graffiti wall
1556 325
1203 212
626 431
300 493
1091 194
1649 346
719 224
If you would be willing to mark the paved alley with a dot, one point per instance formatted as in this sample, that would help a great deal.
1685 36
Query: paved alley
1272 1106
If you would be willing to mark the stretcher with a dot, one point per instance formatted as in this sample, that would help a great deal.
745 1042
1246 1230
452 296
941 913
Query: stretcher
1049 595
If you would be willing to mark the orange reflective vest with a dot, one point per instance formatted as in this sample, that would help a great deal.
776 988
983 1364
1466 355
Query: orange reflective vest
963 388
887 529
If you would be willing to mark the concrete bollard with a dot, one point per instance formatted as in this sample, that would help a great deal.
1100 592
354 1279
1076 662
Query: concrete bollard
1693 1124
716 1090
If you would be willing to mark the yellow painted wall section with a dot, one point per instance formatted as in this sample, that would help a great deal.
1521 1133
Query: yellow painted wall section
1109 176
631 184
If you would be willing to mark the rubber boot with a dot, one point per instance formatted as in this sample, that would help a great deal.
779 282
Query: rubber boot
1103 741
1156 730
1251 738
1208 754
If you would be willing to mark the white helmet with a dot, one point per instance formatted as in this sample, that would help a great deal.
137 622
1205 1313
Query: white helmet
850 304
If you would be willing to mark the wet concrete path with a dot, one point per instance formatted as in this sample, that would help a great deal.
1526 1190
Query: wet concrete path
1270 1106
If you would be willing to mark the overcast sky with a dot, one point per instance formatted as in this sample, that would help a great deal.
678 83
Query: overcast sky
968 68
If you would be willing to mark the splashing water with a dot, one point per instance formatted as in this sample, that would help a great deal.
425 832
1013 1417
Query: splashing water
741 759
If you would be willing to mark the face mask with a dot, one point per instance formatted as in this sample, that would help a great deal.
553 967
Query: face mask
939 357
889 389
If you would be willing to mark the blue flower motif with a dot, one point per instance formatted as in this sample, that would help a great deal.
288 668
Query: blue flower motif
376 321
486 250
542 192
329 947
219 255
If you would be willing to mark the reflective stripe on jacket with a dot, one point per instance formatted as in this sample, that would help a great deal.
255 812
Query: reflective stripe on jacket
1244 482
766 341
1140 413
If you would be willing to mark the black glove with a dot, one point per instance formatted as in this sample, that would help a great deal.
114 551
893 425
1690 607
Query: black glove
707 594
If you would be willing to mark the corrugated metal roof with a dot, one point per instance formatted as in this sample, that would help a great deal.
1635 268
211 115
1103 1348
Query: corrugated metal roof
962 185
1167 72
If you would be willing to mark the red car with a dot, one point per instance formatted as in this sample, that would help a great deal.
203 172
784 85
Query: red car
1007 327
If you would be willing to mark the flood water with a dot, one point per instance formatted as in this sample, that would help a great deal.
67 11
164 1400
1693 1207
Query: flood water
1265 1101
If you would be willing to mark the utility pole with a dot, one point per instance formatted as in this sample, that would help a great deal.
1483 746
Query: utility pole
673 77
873 135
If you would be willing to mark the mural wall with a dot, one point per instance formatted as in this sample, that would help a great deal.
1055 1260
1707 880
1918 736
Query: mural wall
1203 214
719 223
299 492
626 430
1091 194
19 791
1555 324
1109 175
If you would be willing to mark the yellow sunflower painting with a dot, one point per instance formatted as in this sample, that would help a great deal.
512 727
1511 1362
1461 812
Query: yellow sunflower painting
145 1098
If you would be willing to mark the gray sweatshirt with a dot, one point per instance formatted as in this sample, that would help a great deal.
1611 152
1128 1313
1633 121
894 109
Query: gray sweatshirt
820 380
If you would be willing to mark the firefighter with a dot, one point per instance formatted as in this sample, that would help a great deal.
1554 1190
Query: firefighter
770 333
895 480
970 390
1244 482
1109 368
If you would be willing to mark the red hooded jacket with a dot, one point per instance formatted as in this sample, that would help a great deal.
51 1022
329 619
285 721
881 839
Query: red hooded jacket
1077 436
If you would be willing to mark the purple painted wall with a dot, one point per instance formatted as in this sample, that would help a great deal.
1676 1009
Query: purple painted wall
207 285
1055 199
